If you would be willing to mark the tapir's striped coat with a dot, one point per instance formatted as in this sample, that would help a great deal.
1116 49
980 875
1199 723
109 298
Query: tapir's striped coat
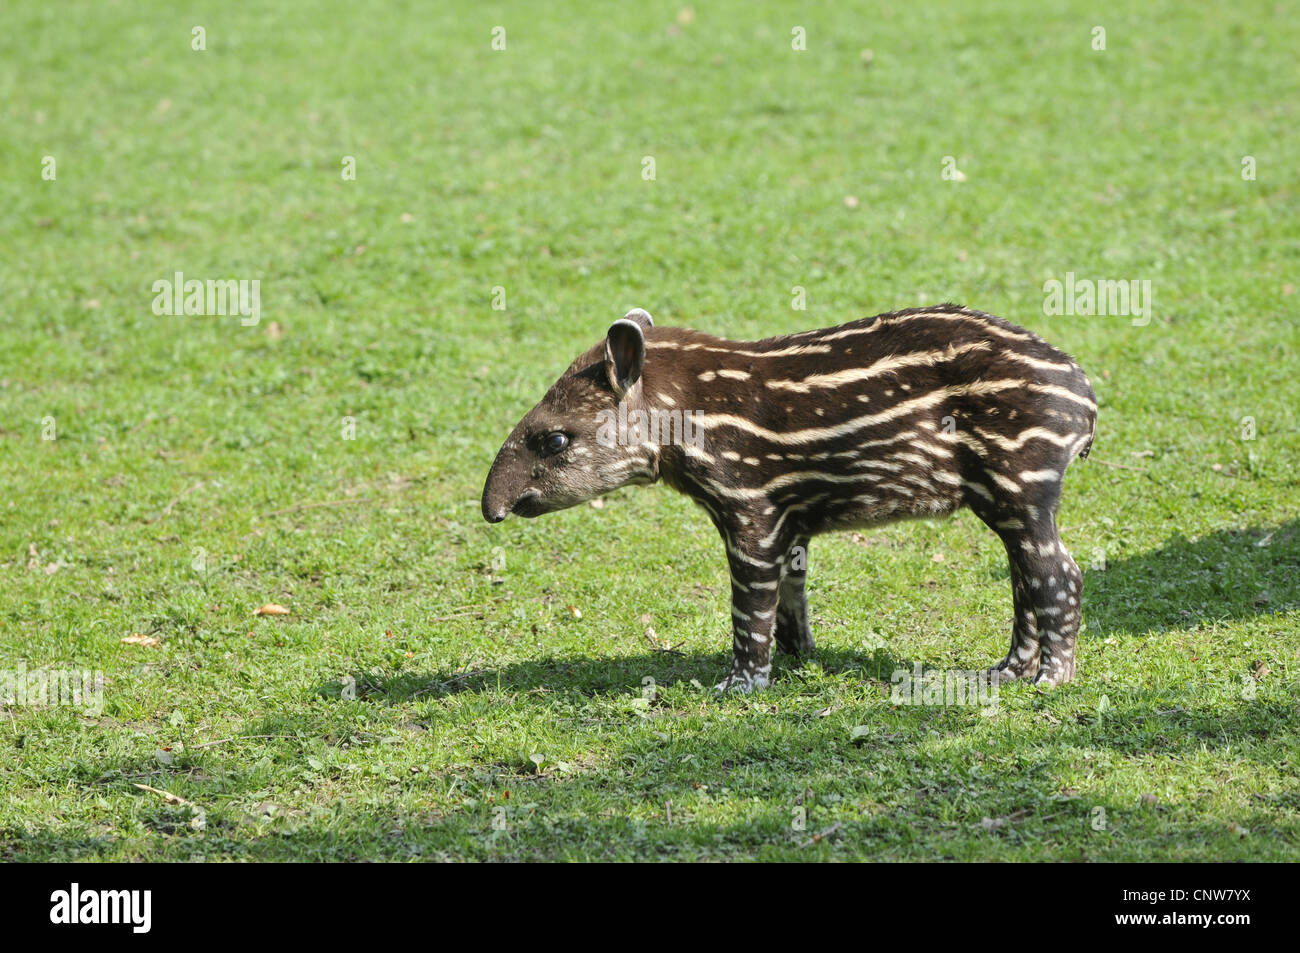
914 413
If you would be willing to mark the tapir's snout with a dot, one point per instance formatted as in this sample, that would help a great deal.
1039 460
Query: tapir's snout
497 499
507 487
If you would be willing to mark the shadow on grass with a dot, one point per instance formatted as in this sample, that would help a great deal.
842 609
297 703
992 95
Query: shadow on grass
1225 575
925 786
928 784
579 677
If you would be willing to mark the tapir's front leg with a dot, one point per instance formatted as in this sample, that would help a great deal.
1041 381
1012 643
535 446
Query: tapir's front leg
793 632
755 586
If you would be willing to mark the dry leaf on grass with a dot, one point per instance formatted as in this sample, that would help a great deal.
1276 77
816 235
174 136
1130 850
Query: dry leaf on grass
167 795
272 608
139 638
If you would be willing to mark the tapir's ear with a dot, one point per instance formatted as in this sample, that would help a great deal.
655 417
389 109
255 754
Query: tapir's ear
624 355
641 316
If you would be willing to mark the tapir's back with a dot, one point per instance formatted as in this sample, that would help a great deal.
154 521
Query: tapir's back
911 413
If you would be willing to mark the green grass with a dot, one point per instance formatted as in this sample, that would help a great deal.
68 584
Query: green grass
482 699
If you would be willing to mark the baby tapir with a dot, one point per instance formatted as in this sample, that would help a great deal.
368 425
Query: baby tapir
911 414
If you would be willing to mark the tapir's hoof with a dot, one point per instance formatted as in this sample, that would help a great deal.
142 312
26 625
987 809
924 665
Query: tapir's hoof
1010 669
743 682
1054 674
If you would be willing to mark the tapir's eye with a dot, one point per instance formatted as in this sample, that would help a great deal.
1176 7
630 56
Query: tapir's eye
555 442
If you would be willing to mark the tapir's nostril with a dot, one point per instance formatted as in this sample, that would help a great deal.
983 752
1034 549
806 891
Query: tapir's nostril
496 516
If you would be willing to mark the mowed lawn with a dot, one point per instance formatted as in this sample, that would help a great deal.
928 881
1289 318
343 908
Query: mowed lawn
445 689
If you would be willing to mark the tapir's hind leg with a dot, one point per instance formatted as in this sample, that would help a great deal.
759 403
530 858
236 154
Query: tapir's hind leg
1046 590
1046 581
1023 657
1057 601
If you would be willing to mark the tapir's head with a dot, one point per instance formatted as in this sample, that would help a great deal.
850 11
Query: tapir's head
570 448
